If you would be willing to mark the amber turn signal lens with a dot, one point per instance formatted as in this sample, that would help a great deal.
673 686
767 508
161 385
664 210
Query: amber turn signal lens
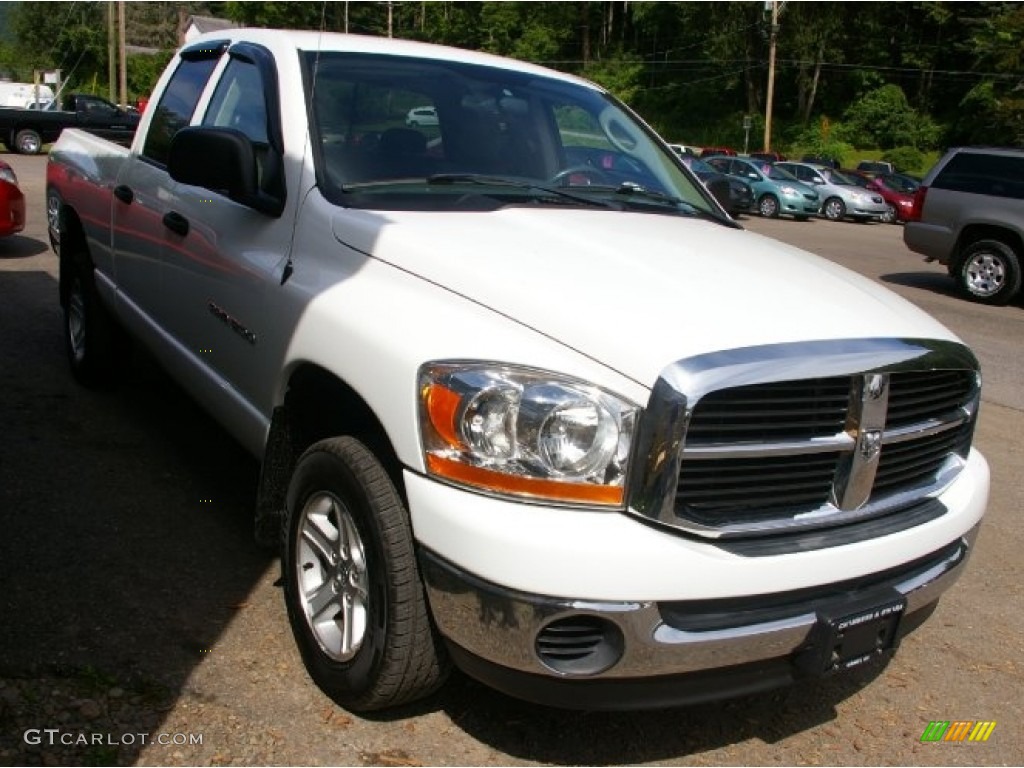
500 482
442 408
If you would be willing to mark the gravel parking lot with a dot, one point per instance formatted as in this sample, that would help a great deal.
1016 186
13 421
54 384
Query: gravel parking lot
140 624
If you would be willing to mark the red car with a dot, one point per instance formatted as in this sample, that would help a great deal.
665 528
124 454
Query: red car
898 203
712 151
12 202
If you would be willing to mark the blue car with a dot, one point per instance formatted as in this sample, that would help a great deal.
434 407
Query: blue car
776 192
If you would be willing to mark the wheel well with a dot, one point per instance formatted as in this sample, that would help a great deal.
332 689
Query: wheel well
317 405
321 405
975 232
73 245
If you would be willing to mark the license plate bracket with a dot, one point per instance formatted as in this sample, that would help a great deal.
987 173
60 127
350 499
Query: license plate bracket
848 635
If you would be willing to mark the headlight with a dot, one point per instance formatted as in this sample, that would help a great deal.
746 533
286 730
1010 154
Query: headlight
528 433
7 174
789 191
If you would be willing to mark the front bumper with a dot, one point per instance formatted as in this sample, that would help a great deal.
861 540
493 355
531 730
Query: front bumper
869 210
799 205
620 655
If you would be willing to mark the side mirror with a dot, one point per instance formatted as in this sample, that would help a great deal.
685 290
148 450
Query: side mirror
222 160
817 180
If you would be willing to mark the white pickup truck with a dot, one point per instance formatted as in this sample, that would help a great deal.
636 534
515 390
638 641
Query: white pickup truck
526 399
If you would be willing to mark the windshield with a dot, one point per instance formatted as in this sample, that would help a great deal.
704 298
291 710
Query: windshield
841 178
697 165
775 173
398 132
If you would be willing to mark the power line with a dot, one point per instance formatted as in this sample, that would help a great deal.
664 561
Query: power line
664 64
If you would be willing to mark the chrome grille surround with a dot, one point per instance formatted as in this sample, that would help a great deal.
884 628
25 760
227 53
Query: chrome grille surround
918 397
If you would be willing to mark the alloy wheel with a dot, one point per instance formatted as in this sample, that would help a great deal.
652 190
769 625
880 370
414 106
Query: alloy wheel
330 569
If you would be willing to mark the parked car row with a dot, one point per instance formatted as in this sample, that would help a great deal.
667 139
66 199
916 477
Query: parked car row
803 189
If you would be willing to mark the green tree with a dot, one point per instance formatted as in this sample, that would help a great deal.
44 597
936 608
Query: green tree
884 118
993 110
67 36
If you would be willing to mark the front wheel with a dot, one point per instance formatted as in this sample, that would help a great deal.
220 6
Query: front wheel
889 217
352 587
989 272
768 206
27 141
834 209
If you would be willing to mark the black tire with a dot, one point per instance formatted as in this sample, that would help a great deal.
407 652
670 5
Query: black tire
349 559
833 209
989 272
94 343
890 216
768 206
27 141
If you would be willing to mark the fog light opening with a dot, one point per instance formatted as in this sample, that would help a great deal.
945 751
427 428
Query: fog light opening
580 645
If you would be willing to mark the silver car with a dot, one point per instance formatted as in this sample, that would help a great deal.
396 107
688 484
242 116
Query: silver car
840 195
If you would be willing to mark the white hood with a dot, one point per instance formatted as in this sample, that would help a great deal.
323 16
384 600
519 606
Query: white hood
635 291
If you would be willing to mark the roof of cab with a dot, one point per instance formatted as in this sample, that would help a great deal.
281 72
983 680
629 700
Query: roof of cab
306 40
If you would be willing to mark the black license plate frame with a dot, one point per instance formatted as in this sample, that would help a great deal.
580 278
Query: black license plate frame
849 635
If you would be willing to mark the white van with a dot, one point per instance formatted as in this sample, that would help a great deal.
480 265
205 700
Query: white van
22 95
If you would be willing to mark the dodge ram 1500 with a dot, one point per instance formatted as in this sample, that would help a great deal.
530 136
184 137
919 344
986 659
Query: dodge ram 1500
526 398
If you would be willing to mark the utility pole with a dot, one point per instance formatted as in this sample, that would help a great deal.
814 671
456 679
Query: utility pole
111 52
773 33
124 55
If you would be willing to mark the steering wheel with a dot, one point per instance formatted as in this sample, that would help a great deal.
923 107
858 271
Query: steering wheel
593 176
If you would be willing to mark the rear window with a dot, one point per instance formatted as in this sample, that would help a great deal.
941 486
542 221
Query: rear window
981 174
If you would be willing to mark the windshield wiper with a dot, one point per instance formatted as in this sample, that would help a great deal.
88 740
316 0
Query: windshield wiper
632 189
505 181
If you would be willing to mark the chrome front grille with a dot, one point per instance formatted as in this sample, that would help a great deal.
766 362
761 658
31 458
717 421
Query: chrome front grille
780 410
780 454
917 395
915 462
710 490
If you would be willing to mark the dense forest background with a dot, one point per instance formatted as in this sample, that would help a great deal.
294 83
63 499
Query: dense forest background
904 79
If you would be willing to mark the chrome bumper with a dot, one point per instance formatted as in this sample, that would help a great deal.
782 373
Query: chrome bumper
505 628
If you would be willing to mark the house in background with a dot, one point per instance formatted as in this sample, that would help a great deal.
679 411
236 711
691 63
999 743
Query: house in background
190 27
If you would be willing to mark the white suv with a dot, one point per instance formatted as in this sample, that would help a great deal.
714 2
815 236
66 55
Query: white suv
421 116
